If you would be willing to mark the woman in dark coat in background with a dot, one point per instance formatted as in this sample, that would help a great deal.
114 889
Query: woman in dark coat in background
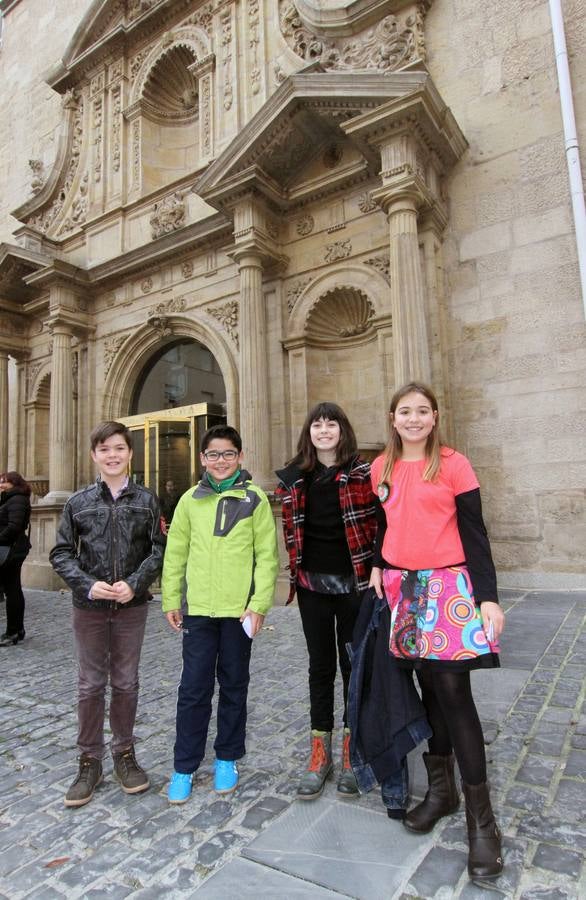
15 513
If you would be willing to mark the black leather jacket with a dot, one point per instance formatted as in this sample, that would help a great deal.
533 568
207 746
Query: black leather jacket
15 514
102 539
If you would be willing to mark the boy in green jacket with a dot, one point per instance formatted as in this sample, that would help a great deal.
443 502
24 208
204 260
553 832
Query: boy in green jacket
222 543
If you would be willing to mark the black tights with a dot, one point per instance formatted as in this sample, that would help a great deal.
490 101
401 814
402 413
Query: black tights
452 714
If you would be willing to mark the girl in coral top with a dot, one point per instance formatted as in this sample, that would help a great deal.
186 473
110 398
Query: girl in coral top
434 564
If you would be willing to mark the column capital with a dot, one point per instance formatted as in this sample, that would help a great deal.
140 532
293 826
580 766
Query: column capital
65 321
253 249
402 189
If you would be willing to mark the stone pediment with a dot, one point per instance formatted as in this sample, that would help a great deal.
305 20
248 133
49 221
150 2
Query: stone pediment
15 264
308 119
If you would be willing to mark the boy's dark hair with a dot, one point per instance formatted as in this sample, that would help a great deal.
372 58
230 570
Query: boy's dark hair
105 430
347 449
221 431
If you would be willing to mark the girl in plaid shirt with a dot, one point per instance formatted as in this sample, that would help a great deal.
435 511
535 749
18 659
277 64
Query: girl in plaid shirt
329 523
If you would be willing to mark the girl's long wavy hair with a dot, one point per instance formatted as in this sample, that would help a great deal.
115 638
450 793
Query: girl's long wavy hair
17 482
347 449
394 448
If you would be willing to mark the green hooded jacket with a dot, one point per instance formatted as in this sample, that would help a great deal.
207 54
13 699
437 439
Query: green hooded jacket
225 547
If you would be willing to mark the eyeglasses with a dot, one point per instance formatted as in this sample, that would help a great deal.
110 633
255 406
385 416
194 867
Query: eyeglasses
215 455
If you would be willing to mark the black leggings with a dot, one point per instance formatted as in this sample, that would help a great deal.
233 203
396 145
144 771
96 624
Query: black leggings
10 579
327 619
452 714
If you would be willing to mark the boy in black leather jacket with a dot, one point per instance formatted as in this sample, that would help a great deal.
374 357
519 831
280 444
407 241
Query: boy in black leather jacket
109 550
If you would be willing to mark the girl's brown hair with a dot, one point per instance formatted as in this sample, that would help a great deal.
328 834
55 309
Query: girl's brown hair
17 482
394 448
306 456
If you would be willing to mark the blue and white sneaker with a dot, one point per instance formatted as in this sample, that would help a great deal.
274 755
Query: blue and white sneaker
225 776
179 790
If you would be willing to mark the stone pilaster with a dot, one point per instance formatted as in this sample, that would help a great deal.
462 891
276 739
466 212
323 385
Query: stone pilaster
3 410
61 470
254 377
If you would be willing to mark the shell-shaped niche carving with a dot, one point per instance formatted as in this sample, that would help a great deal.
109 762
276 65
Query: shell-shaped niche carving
171 89
341 314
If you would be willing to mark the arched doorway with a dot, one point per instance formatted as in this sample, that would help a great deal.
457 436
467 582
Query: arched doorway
178 395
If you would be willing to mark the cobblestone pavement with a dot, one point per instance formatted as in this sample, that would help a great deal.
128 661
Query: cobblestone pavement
137 846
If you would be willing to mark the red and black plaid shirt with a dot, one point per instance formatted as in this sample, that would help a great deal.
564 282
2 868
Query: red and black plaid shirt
358 506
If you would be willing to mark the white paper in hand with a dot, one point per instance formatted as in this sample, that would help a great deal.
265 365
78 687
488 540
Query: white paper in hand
247 625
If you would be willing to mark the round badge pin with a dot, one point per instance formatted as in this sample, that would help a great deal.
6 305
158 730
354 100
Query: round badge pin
383 491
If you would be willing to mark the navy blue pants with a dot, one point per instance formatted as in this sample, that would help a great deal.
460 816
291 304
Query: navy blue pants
212 647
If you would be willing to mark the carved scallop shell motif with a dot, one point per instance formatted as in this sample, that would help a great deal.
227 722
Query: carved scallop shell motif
171 89
341 313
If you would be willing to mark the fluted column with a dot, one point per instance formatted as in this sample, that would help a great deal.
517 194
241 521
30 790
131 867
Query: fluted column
61 469
3 410
410 337
254 378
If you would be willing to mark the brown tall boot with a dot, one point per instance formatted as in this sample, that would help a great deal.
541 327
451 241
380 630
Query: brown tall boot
485 859
441 798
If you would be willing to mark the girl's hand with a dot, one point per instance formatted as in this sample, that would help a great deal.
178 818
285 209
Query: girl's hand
175 619
376 581
492 613
256 621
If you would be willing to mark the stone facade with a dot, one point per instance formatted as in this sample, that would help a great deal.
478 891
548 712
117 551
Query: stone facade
330 197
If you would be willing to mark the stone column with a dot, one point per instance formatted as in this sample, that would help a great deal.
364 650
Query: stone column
61 468
254 379
410 339
3 410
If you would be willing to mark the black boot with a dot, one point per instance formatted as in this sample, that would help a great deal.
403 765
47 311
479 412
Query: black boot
441 798
485 859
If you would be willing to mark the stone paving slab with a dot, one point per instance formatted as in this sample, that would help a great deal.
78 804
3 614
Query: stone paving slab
121 846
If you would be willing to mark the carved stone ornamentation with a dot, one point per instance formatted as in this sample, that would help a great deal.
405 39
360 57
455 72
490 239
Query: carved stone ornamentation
38 179
98 117
279 74
227 316
203 19
385 46
111 347
187 269
32 371
253 42
332 157
305 225
341 313
138 7
45 220
168 215
226 23
337 250
206 116
146 285
116 125
78 212
295 291
167 307
136 63
382 264
136 153
366 204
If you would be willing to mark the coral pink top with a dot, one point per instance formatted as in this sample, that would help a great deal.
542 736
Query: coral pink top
422 528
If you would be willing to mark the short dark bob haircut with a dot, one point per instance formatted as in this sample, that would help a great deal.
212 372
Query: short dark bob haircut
17 482
105 430
224 432
347 449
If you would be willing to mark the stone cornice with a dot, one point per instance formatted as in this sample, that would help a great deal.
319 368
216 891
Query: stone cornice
422 112
16 263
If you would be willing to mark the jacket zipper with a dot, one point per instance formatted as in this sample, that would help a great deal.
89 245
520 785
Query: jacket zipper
223 515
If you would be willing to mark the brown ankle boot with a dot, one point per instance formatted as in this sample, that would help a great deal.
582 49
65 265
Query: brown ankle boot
441 798
319 766
485 859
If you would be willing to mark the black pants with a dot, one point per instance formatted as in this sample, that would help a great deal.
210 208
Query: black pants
212 647
10 578
327 619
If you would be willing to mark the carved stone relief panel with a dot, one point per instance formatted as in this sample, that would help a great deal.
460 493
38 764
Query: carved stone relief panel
227 316
167 215
385 46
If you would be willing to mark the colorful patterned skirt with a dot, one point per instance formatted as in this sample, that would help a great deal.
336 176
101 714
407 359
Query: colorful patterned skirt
435 621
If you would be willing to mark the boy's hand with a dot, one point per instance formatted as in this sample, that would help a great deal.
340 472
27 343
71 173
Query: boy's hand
101 590
256 621
124 592
175 619
376 581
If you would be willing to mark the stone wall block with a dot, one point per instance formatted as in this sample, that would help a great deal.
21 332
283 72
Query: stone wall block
492 239
560 507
